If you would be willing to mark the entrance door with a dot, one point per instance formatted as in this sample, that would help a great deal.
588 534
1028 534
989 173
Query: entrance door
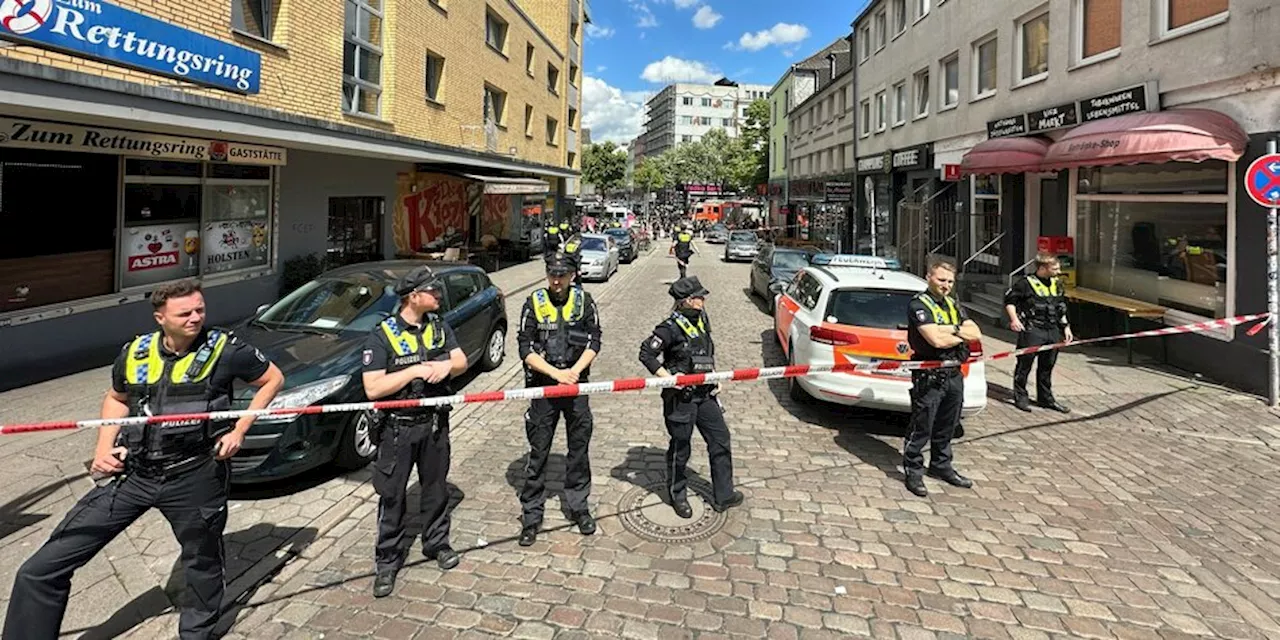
355 230
1046 213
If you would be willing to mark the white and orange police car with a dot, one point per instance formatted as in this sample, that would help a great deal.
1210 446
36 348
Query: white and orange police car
850 309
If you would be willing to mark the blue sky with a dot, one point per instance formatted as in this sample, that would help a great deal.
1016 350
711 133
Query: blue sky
635 47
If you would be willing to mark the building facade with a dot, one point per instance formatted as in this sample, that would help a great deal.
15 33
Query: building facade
1122 125
220 140
685 112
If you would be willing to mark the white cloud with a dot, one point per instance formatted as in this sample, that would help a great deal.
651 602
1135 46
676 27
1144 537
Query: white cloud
672 69
777 35
685 4
706 18
599 33
601 69
646 19
610 113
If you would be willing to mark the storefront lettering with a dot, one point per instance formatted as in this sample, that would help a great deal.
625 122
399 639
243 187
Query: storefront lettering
1053 118
1092 145
140 263
1014 126
219 258
33 134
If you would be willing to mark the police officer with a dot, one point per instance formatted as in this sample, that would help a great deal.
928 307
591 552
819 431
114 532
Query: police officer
682 247
177 467
682 344
559 337
411 355
937 329
551 239
1037 310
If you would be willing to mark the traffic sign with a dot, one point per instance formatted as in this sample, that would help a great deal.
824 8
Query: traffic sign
1262 180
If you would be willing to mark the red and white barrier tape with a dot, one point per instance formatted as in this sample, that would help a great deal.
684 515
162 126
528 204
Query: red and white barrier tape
617 386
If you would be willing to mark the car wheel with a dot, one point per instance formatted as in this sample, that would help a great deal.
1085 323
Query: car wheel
495 348
355 447
794 389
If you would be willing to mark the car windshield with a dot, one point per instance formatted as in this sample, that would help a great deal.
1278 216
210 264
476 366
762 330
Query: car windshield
719 227
593 244
790 259
870 308
742 236
355 303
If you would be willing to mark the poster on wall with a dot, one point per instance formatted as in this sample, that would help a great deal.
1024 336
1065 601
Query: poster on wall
432 214
156 253
234 244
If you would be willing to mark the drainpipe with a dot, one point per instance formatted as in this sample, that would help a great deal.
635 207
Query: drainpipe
851 232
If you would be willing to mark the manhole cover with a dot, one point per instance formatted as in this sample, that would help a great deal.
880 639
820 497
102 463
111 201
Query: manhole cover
646 514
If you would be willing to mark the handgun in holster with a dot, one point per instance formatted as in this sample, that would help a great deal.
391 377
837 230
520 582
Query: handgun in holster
377 425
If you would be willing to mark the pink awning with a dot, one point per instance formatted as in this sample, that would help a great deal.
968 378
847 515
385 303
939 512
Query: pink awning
1004 155
1181 135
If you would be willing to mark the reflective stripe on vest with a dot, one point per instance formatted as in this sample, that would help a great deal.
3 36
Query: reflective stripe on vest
405 343
940 316
145 366
570 246
546 313
1050 291
687 327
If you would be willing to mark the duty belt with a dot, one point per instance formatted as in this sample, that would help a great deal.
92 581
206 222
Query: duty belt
157 470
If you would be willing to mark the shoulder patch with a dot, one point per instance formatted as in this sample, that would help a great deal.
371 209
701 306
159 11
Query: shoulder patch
922 315
368 357
258 354
655 343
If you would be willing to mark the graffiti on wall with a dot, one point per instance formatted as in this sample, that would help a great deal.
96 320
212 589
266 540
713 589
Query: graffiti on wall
431 211
496 219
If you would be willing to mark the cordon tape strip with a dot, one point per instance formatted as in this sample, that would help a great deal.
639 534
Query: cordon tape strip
625 384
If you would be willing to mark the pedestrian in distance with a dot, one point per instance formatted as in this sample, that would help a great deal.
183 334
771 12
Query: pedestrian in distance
937 329
682 344
178 467
412 355
559 337
1036 306
682 248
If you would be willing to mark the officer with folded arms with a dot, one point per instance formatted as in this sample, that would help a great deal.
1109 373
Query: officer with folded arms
178 467
682 344
1037 309
559 337
410 356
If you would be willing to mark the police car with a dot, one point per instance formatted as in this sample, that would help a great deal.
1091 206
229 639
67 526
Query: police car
848 309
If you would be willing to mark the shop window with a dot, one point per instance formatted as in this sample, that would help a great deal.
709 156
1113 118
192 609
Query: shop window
355 230
254 17
1097 28
984 67
950 82
1033 48
362 57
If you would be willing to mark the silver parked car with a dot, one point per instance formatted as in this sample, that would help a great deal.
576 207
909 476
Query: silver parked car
599 257
741 245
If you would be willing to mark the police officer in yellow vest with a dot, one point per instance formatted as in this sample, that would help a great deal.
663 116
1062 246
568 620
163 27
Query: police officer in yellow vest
682 344
551 239
937 329
682 247
559 337
177 467
412 355
1037 309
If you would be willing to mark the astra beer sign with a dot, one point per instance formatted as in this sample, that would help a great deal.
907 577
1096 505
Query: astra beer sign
103 31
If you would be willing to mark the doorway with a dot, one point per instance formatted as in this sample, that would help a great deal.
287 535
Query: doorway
355 230
1046 213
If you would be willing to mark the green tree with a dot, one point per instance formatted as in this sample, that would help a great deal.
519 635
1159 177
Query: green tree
649 175
755 139
605 166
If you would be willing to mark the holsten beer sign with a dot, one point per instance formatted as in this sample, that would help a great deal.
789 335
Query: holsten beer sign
37 134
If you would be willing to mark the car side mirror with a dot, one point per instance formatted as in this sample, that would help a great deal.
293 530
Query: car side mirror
261 308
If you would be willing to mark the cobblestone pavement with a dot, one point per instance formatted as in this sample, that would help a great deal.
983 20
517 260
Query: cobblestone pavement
1147 513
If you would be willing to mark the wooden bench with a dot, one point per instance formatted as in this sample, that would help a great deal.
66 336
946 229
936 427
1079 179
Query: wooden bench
1128 307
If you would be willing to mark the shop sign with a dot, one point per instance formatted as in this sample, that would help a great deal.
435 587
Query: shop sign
234 244
951 172
156 253
102 31
913 158
1118 103
37 134
873 163
1066 115
839 192
1006 127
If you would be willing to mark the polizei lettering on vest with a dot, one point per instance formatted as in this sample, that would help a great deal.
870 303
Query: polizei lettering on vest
71 22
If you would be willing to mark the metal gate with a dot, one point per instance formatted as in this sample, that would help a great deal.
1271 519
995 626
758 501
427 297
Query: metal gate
931 229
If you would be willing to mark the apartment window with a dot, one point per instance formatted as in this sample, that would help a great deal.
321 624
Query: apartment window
686 138
1182 16
899 103
435 71
573 119
686 120
922 8
706 102
921 84
254 17
1033 48
951 81
553 79
553 131
864 37
573 159
573 74
495 106
495 32
574 28
528 121
726 122
864 113
882 29
844 103
899 16
1097 28
984 67
880 111
687 101
362 57
528 59
775 111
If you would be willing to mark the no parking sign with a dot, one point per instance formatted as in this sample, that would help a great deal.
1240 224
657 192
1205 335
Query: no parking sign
1262 180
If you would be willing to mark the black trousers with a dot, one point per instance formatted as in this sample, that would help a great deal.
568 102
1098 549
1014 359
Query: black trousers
540 427
194 501
682 415
1044 361
936 400
682 263
410 442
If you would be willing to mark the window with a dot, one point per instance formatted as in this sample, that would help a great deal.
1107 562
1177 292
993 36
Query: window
1183 16
706 102
865 115
528 121
1097 29
1033 48
573 119
984 225
362 57
686 138
528 59
880 111
922 8
495 32
726 122
922 93
573 74
495 106
254 17
869 308
882 29
864 47
806 290
899 16
553 131
574 28
686 120
844 103
459 287
984 68
951 81
571 159
899 103
687 101
553 79
435 70
355 235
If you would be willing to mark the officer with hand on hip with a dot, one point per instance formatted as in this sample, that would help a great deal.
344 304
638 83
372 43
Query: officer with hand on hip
559 337
178 467
682 247
409 356
937 329
682 344
1037 310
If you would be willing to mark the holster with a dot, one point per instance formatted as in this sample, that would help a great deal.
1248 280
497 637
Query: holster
377 426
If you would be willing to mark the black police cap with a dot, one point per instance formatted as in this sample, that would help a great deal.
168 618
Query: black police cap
560 263
689 287
418 279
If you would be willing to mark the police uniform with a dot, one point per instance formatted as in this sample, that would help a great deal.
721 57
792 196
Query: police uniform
682 344
684 249
560 331
170 466
572 251
937 395
1041 305
412 437
551 239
